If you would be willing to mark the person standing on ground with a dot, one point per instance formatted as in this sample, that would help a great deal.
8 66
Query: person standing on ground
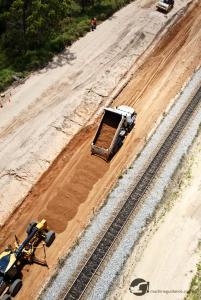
93 24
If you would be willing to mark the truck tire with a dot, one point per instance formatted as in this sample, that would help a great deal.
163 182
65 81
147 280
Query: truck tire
6 297
117 146
30 227
15 287
3 284
49 238
120 143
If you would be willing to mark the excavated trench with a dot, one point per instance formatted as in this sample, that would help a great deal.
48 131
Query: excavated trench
77 183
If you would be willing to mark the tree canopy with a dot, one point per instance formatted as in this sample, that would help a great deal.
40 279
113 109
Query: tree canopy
31 31
27 24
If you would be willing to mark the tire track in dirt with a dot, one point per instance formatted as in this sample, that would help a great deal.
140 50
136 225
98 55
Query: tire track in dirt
161 57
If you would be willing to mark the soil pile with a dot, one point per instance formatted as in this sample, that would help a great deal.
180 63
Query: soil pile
108 129
72 191
105 138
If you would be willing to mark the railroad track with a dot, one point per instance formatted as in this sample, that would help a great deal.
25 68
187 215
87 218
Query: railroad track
78 287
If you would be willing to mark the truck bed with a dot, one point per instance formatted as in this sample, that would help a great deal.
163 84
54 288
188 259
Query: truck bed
107 130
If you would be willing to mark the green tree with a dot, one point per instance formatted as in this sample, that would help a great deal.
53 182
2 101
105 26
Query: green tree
30 23
4 7
14 37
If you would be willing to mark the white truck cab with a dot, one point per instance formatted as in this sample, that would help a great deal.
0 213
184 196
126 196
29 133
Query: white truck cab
165 5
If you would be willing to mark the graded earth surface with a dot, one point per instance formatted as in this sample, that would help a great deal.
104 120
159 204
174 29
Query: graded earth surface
51 116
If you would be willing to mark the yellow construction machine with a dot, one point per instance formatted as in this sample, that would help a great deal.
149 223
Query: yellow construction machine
12 259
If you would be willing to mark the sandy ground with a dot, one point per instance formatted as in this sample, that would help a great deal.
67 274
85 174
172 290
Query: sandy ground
42 115
77 182
167 254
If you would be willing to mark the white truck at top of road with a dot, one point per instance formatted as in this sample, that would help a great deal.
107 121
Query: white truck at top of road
114 126
165 5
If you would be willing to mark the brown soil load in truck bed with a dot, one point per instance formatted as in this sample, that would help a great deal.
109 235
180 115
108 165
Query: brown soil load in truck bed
107 131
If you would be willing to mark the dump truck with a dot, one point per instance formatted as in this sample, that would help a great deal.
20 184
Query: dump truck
12 259
115 124
165 5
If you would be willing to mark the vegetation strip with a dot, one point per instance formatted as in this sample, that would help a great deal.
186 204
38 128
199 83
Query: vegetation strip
78 287
194 292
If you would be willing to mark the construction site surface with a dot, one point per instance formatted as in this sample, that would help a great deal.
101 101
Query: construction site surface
47 170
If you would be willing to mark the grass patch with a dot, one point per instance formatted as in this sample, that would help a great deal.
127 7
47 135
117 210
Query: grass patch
194 292
6 77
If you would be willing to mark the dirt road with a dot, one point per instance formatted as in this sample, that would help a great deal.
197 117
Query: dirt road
77 182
